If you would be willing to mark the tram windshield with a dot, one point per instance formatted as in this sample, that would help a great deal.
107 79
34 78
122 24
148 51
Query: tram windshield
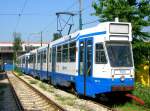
119 54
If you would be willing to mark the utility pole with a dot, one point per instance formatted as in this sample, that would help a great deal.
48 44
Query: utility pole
80 14
41 38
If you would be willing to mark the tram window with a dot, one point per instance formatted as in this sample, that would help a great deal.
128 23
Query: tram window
65 53
31 59
72 52
50 55
27 60
81 52
38 58
23 60
34 57
100 57
41 54
59 54
44 56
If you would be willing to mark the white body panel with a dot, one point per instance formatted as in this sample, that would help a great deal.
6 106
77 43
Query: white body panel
66 68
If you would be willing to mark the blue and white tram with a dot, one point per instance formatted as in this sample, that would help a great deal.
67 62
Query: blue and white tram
93 61
42 63
23 60
32 62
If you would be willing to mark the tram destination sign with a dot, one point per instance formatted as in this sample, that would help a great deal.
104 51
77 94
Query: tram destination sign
115 28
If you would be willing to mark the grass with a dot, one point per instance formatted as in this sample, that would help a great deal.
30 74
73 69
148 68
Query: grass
33 81
18 72
43 86
84 108
65 100
50 90
131 107
59 97
141 92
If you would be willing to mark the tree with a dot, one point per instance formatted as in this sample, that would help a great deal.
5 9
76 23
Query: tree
135 11
56 36
17 44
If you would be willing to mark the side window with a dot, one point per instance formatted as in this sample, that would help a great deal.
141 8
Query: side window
23 60
72 52
38 58
50 54
65 53
31 59
100 57
58 53
44 56
81 59
41 54
26 60
34 58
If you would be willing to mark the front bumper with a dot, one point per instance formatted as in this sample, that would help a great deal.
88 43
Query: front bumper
122 88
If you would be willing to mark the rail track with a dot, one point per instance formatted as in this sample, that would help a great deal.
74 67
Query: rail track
30 99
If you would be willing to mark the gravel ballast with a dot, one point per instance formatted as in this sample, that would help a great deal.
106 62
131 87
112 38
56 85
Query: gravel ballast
63 98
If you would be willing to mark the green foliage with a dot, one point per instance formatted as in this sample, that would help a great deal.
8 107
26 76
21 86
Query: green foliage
141 53
129 106
65 100
17 44
33 81
143 93
19 73
135 11
56 36
43 86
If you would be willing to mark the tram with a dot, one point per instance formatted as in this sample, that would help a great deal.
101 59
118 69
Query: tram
92 61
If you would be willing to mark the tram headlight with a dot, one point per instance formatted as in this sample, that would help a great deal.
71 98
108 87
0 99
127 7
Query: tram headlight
113 77
122 78
132 73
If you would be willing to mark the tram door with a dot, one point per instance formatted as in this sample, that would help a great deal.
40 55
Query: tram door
53 59
26 64
85 66
53 65
41 62
34 59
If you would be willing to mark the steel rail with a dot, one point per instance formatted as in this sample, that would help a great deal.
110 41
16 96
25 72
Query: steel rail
54 103
18 102
41 95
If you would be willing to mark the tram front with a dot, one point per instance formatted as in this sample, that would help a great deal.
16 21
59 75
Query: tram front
120 56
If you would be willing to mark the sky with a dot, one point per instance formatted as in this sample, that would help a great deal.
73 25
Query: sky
29 17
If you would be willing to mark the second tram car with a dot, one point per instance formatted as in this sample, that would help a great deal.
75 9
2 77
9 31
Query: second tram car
92 61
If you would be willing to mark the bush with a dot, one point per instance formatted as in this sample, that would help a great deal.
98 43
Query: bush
143 93
141 52
19 73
